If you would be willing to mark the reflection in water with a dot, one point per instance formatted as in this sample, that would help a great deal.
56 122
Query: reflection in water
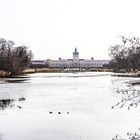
22 99
131 136
5 103
130 97
16 80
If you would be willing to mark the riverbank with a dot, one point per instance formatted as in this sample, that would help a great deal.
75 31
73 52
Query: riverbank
4 74
132 74
41 70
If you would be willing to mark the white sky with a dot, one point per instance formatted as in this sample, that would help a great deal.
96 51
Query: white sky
52 28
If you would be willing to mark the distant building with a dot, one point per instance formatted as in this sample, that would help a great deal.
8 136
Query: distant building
73 63
38 62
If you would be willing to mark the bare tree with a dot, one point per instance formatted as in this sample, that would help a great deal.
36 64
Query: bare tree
125 55
13 59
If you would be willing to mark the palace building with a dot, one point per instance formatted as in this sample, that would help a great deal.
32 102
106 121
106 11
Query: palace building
73 63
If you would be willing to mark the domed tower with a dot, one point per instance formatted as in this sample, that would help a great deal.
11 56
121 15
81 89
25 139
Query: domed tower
75 54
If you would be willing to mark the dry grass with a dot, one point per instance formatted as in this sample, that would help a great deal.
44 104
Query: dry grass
4 74
37 70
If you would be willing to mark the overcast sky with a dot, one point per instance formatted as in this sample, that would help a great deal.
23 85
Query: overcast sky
52 28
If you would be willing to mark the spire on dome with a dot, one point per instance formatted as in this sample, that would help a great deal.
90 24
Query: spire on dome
75 54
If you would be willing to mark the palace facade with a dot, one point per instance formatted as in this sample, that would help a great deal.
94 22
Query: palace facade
73 63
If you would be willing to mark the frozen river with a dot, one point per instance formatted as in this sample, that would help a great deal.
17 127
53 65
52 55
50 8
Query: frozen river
65 106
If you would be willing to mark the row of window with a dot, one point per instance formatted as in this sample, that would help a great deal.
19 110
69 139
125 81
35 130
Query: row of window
77 65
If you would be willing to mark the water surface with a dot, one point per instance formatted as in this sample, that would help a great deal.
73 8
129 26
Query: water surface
64 106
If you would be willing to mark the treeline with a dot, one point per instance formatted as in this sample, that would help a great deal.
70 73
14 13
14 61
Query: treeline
13 59
126 55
